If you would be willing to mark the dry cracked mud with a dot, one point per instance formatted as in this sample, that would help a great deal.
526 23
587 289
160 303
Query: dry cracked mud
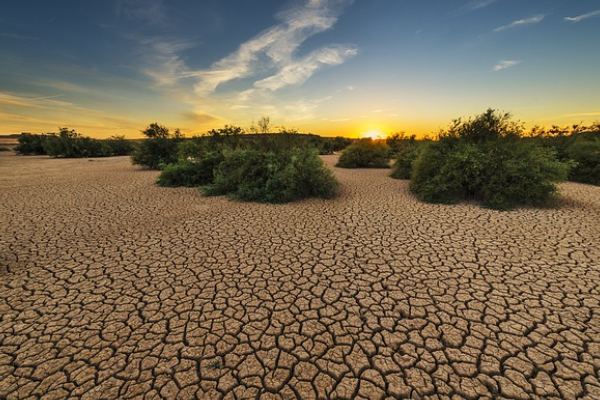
113 288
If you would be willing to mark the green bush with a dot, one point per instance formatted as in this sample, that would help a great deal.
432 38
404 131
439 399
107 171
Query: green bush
486 160
160 147
190 171
365 153
70 144
406 154
118 146
266 176
30 144
586 155
2 148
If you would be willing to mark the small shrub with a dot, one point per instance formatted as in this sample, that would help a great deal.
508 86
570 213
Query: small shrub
406 154
30 144
485 159
519 173
586 155
191 171
159 147
365 153
118 146
70 144
266 176
2 148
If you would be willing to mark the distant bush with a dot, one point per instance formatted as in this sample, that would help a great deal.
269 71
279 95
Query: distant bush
30 144
198 171
2 148
159 148
485 159
586 155
270 177
365 153
118 146
70 144
331 145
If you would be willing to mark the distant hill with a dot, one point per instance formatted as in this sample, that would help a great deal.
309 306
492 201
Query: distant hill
11 136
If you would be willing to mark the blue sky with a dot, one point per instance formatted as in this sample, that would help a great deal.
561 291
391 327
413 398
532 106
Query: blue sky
332 67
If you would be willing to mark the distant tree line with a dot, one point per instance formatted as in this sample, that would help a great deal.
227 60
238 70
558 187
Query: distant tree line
70 144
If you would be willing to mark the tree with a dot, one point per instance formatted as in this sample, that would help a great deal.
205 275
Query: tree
262 126
155 130
160 147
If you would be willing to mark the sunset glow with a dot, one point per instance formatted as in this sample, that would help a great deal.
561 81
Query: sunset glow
330 67
375 135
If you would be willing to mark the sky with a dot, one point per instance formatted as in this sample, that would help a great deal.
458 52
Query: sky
330 67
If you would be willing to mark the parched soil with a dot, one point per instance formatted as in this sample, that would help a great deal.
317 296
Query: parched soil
114 288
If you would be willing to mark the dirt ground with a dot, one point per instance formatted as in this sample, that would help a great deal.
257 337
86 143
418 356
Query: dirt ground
114 288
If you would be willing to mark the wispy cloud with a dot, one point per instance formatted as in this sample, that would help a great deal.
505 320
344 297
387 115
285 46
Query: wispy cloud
581 17
474 5
504 64
522 22
275 50
151 12
164 54
298 71
586 114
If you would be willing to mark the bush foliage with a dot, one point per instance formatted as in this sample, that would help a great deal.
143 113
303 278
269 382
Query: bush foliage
191 171
586 156
365 153
70 144
486 159
273 177
159 148
272 168
405 155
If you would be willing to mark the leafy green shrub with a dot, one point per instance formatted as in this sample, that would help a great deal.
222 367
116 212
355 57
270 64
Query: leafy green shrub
159 147
30 144
190 171
522 174
118 146
266 176
365 153
484 159
406 154
70 144
586 155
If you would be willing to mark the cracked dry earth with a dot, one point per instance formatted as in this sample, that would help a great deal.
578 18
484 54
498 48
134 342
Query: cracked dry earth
113 288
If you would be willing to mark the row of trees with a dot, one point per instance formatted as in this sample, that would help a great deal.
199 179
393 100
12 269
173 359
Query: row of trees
70 144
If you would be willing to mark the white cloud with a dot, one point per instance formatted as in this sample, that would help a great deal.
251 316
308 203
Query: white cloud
583 16
298 71
474 5
279 44
164 53
522 22
504 64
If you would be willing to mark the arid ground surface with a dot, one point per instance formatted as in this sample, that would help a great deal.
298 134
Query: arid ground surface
111 287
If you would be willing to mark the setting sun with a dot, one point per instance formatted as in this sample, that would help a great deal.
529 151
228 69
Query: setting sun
375 135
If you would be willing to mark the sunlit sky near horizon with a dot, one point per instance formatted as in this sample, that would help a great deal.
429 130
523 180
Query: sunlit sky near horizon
331 67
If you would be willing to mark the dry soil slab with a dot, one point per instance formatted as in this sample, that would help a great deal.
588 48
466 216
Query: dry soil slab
111 287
